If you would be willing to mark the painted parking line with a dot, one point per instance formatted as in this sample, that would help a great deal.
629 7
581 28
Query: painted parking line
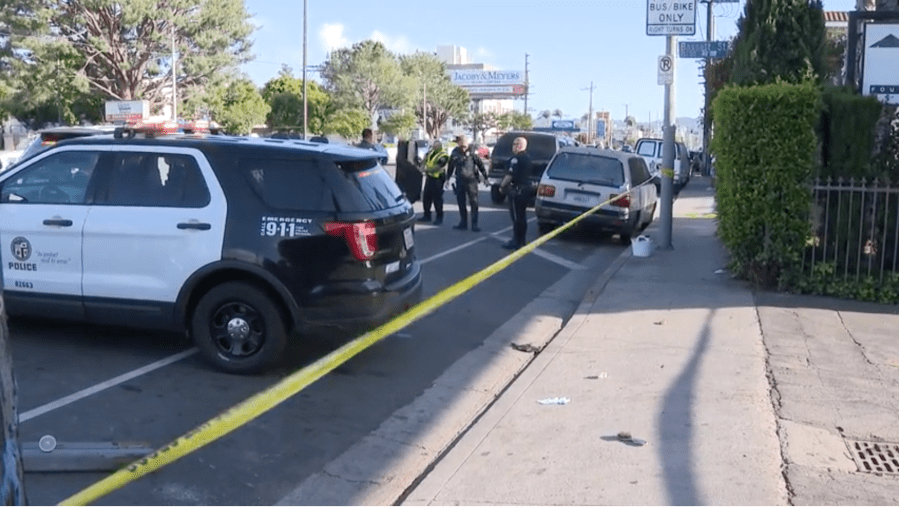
454 249
87 392
549 256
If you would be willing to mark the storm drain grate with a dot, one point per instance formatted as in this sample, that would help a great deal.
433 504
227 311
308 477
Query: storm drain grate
881 458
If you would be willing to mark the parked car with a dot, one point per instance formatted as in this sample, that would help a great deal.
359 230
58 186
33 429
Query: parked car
542 146
237 241
651 150
580 178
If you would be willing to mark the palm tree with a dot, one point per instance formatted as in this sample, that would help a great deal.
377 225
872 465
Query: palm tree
558 114
545 114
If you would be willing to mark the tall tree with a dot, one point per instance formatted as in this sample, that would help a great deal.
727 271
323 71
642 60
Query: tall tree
366 76
398 124
444 99
347 123
514 120
122 49
284 94
780 39
238 107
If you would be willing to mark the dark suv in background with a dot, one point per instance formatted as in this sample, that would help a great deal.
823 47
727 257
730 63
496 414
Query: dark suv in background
542 146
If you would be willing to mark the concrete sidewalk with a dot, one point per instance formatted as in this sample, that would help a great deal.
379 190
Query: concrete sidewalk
735 398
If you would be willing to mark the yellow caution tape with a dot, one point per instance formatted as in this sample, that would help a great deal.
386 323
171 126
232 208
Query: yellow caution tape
244 412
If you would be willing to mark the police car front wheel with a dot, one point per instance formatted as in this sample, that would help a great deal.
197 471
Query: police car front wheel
238 328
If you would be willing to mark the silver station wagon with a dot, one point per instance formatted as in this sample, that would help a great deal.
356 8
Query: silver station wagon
580 178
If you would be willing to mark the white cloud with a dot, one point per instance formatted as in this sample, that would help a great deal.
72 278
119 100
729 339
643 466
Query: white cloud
400 45
483 53
332 37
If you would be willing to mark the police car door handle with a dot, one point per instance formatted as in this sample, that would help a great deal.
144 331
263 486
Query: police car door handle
58 222
202 226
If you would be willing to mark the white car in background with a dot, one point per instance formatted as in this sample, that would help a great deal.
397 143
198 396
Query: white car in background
651 150
578 179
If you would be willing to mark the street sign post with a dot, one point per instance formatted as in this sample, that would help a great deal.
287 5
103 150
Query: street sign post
703 49
670 17
666 70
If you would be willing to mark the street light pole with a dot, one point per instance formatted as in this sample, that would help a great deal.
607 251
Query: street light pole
174 79
424 107
305 87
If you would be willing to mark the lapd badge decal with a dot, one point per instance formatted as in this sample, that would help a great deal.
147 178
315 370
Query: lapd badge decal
21 248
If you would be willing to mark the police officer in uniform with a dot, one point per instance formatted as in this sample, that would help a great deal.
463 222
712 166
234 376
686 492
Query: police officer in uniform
466 165
435 177
517 185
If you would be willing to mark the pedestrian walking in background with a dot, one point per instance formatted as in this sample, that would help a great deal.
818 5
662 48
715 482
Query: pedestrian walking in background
435 164
468 168
517 185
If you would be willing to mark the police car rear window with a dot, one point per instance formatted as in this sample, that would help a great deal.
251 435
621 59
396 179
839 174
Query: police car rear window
288 184
322 185
587 168
373 187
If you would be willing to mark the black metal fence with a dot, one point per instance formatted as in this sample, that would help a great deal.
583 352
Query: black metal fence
855 226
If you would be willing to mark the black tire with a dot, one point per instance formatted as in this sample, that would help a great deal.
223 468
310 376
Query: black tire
652 214
496 196
628 233
253 314
545 227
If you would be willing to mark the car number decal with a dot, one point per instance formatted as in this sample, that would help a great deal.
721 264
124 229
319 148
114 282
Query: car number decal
285 226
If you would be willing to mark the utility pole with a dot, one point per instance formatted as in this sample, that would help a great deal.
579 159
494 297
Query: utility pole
174 79
526 83
305 88
707 117
590 114
668 148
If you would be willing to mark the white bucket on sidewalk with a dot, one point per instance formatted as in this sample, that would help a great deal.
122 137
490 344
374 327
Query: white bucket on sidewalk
641 246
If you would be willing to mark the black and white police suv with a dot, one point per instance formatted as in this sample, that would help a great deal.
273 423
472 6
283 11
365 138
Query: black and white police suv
240 242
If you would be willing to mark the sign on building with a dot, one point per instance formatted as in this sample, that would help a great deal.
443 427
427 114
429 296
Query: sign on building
601 129
484 84
881 59
122 111
670 17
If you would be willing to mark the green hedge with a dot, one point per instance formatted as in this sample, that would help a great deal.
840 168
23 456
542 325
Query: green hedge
765 145
848 124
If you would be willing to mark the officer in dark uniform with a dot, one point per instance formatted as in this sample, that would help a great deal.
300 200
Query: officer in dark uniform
517 185
468 167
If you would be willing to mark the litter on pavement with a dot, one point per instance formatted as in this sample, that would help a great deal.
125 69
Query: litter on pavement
555 401
627 438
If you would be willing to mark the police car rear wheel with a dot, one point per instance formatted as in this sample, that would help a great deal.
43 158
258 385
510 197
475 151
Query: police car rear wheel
238 328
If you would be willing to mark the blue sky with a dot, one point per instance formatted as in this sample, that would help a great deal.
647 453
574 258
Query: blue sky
570 44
